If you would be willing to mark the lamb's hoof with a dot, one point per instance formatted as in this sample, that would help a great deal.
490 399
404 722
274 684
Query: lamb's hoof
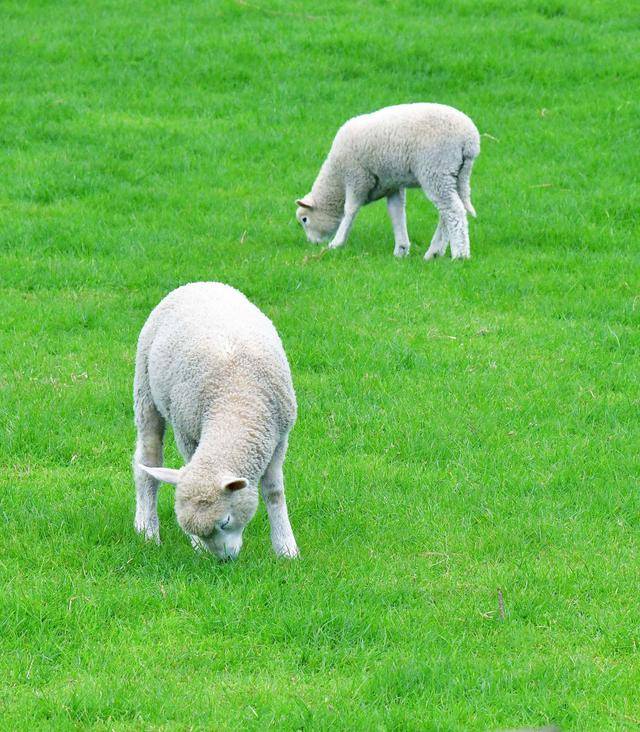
287 551
431 255
401 251
151 533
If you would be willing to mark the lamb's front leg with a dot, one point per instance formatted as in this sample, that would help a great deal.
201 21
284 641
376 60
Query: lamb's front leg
398 215
148 452
272 485
351 207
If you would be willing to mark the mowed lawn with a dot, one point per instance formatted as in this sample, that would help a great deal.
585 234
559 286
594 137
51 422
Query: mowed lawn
467 431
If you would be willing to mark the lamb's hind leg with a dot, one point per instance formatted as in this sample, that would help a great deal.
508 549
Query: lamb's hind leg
442 191
272 485
397 213
150 426
440 241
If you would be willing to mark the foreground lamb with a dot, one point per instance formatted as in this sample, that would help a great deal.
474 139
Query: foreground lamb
210 363
380 154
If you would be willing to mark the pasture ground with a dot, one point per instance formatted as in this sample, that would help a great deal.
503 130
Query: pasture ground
464 428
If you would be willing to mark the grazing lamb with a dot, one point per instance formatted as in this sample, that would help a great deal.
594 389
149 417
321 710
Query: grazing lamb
210 363
380 154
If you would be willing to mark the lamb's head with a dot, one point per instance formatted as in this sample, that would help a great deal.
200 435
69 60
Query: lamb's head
213 509
318 223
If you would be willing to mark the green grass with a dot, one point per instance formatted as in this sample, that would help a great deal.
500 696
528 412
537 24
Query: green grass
463 428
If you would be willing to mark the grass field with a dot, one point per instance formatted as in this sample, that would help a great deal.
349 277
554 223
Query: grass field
463 428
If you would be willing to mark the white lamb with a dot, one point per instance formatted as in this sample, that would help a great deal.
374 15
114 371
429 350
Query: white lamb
380 154
210 363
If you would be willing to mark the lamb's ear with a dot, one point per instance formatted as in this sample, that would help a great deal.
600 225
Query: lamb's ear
166 475
231 483
306 202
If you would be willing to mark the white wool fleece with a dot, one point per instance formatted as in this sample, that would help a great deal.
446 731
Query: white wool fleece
213 366
379 155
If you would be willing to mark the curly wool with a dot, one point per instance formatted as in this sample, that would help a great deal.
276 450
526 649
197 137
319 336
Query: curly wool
379 155
212 365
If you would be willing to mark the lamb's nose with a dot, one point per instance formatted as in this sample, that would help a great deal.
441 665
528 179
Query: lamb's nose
230 553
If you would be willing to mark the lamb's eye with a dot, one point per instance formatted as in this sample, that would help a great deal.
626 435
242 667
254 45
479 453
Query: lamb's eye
225 523
304 219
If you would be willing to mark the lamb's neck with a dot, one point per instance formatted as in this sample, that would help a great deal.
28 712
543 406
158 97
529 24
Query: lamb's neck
234 444
328 190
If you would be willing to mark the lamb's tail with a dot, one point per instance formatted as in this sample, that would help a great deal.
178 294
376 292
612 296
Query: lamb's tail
470 152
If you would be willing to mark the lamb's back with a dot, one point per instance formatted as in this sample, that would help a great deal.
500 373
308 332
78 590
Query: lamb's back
206 342
401 132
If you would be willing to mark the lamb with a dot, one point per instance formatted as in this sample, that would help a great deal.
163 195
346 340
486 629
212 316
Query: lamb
381 154
211 364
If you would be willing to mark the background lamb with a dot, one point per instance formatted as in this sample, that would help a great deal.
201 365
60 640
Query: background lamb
380 154
210 363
